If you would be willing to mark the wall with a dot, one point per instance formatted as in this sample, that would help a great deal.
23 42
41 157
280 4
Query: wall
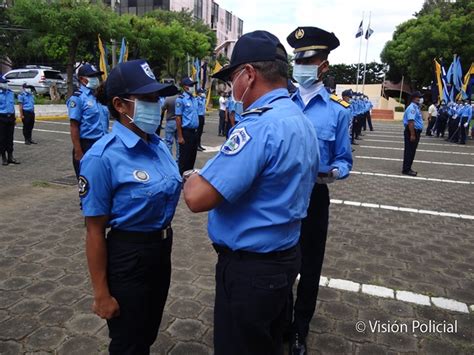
373 91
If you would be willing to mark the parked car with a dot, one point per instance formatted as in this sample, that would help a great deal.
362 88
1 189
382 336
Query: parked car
39 77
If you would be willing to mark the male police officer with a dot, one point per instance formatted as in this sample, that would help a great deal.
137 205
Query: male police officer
413 122
330 117
26 103
258 189
86 115
187 123
201 99
7 123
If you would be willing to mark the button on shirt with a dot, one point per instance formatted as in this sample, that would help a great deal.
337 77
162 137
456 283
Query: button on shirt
413 113
135 183
187 108
27 100
7 102
85 109
331 123
265 171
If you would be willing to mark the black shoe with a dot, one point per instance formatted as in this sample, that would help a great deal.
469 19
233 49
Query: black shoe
12 160
32 142
355 143
298 346
358 138
200 149
27 143
410 173
372 130
4 161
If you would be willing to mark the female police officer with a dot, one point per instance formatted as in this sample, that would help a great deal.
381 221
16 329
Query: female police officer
130 182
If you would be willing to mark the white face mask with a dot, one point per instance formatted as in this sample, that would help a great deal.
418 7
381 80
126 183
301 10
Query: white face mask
4 86
239 104
93 83
28 91
420 102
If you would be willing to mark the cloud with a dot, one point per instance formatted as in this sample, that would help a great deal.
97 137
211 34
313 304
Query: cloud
339 16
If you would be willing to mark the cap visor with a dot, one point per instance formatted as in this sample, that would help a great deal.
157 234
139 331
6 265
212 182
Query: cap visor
224 73
161 89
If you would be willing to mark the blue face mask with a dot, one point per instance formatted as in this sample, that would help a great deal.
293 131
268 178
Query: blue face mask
306 75
93 83
146 116
239 104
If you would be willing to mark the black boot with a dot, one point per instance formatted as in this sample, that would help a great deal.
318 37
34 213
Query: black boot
4 159
12 160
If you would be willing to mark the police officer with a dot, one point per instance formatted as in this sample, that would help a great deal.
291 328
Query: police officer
187 122
171 134
201 99
130 183
87 116
26 103
330 117
413 122
347 97
443 116
7 123
466 116
257 188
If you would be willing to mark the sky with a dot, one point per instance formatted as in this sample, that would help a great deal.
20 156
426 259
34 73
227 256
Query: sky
342 17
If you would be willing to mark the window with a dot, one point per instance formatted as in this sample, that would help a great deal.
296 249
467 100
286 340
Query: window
50 74
228 21
11 75
240 28
214 15
29 74
198 9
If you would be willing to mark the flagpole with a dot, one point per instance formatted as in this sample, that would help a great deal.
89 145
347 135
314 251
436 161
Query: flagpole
366 52
114 44
360 50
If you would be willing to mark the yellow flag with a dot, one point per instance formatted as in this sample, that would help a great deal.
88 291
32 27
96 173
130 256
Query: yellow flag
102 60
208 98
438 80
467 77
217 67
193 72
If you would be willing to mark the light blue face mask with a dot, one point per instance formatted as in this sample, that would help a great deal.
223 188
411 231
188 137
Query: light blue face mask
306 75
238 104
146 116
93 83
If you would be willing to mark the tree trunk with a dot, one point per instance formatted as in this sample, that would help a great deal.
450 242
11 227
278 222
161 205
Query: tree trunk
71 62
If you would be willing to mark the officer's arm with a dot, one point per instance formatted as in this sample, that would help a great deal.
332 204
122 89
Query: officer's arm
232 118
343 152
96 251
75 137
20 105
411 128
200 195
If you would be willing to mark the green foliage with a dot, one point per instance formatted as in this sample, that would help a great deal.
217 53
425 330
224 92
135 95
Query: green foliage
440 30
399 109
347 74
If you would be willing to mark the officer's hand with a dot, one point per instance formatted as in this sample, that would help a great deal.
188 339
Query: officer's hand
465 124
412 138
181 140
78 155
106 308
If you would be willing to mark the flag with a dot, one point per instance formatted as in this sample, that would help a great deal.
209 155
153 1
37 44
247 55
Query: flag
369 32
123 51
360 30
217 67
466 87
204 74
441 83
102 60
197 70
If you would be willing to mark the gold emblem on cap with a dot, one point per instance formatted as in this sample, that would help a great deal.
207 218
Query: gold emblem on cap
299 34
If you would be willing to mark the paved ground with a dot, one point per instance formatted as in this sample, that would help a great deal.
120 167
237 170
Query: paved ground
45 295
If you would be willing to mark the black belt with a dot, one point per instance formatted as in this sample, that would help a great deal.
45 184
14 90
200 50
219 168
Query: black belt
250 255
194 130
323 174
141 237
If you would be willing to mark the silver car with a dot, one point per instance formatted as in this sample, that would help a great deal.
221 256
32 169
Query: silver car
39 77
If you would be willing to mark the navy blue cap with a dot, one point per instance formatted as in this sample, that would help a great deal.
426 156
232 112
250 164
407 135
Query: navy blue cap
187 81
347 93
416 94
257 46
3 80
135 78
201 91
309 41
88 70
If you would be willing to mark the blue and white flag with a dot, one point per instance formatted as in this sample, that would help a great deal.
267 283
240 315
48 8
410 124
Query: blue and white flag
360 31
369 32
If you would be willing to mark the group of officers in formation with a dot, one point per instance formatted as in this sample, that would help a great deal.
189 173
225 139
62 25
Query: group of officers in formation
266 190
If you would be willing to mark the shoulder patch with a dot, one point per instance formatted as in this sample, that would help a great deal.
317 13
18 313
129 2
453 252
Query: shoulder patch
83 186
257 111
72 104
236 142
339 100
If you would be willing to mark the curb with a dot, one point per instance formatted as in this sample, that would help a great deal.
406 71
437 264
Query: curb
46 118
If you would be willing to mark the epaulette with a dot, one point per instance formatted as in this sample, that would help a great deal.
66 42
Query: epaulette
339 101
77 93
258 111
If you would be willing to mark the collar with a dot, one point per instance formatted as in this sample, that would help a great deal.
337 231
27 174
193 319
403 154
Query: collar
268 98
313 91
85 89
128 137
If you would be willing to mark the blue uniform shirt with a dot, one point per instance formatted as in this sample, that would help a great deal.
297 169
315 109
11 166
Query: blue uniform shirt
83 107
135 183
231 108
265 171
201 105
7 101
104 118
187 107
331 122
27 100
413 113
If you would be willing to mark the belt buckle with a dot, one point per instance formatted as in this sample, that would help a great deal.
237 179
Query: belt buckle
166 233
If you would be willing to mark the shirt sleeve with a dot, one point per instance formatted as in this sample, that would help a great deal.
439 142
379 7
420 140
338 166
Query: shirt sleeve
240 161
179 107
411 113
95 187
343 151
74 109
20 99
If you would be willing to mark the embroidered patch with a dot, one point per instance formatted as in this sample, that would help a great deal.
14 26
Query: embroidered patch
146 68
72 104
141 175
236 142
83 186
90 103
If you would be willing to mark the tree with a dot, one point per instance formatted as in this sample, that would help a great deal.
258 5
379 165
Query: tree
440 30
347 74
61 28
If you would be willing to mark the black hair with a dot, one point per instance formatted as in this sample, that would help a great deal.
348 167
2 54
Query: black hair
272 71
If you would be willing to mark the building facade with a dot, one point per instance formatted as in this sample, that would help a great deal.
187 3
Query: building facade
227 26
